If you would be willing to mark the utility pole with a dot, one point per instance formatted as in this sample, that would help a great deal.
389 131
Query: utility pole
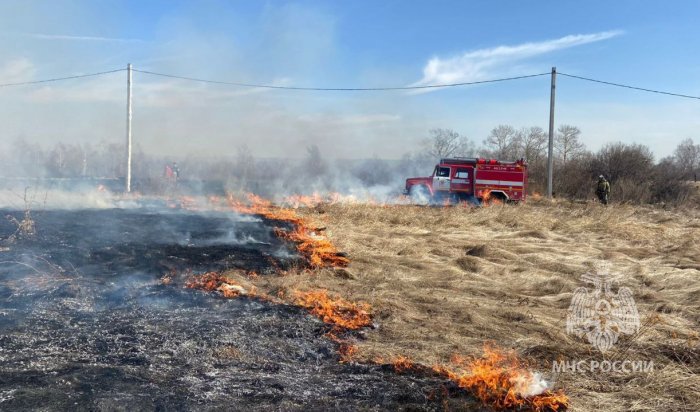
128 128
550 152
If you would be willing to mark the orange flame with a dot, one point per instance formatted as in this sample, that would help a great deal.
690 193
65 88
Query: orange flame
402 363
487 199
346 349
330 198
297 201
347 352
213 281
335 310
317 250
229 288
188 202
500 380
207 281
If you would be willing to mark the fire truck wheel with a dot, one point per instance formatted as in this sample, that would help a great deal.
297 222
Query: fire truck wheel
496 198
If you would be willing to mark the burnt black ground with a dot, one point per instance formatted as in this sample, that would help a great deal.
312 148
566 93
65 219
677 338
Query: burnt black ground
86 324
118 241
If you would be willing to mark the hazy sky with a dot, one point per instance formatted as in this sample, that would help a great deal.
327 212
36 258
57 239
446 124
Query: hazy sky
345 44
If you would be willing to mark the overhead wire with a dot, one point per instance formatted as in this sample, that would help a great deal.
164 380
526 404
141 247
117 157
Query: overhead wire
56 79
338 89
630 87
348 89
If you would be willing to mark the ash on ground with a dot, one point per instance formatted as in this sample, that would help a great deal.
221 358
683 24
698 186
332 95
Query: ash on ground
86 324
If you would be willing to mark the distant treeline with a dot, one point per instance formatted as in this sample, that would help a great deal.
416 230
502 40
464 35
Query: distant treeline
634 174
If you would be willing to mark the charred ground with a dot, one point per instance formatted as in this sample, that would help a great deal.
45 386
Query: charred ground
87 323
153 241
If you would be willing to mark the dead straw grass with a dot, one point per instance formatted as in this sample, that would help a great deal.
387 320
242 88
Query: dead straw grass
444 281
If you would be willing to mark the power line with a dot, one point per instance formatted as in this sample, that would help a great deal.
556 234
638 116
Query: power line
61 78
348 89
338 89
630 87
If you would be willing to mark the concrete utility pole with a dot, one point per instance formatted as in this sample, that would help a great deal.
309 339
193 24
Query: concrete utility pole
550 152
128 128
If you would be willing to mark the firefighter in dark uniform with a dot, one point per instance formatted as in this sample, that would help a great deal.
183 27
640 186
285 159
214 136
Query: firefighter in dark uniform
602 190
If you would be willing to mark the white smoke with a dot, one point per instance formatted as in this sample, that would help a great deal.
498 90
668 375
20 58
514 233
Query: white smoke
527 385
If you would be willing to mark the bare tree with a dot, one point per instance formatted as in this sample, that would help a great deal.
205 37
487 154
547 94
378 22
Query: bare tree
533 141
566 142
531 144
668 185
687 157
616 161
65 160
503 142
446 143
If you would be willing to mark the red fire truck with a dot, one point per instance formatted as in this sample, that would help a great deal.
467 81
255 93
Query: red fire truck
471 179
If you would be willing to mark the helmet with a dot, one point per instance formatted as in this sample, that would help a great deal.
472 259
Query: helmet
601 177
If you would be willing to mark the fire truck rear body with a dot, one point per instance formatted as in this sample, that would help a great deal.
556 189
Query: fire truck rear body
473 178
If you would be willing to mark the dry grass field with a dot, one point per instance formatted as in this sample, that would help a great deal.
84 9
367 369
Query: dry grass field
444 281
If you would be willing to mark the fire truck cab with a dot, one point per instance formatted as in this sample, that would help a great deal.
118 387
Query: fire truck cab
471 179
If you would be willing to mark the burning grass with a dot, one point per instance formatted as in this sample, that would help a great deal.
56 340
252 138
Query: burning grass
488 199
342 314
499 379
335 310
528 260
502 381
403 363
194 365
347 352
213 281
444 280
316 249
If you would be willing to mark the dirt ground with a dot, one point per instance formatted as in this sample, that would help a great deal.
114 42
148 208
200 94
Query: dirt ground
445 281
